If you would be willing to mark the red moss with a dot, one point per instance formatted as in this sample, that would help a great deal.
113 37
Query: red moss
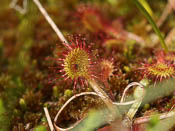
94 21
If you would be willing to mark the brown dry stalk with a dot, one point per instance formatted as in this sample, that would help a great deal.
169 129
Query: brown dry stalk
48 119
164 15
146 119
170 36
21 10
50 21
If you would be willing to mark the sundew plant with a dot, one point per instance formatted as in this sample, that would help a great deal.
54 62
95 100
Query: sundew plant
87 65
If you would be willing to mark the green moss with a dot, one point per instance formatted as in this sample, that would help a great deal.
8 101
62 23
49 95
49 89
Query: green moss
56 91
1 47
126 69
26 40
4 122
40 128
153 122
68 93
22 104
146 106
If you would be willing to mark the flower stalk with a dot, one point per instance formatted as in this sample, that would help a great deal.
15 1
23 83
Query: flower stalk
105 98
50 21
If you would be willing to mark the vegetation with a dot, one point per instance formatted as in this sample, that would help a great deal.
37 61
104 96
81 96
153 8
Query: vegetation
114 70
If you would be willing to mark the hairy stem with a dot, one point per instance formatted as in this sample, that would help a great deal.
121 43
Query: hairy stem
105 98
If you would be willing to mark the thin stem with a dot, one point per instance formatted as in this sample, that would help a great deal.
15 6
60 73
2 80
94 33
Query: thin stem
49 119
50 21
138 94
62 108
105 98
74 97
164 15
126 89
126 103
135 37
170 36
21 10
146 119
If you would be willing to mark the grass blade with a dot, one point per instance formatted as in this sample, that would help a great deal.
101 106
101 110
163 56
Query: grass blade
151 21
145 4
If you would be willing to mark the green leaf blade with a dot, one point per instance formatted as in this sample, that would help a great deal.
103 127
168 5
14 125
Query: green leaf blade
151 21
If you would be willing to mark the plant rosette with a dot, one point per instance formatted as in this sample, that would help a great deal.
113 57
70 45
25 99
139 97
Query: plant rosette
76 64
158 70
